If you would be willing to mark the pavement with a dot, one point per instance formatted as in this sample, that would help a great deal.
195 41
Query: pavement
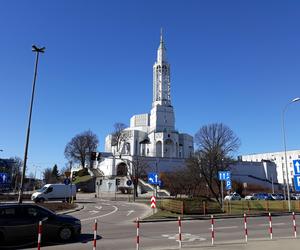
265 244
116 228
76 209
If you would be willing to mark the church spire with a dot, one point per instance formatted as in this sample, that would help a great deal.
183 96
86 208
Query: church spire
161 52
161 76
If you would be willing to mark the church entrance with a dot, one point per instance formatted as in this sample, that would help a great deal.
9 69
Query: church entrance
168 149
122 169
158 149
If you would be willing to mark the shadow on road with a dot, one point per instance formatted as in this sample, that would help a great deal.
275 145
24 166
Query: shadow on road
83 238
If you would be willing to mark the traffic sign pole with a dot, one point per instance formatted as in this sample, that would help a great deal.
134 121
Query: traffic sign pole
222 196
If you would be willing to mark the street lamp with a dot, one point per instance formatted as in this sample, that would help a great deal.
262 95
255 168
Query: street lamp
36 50
284 142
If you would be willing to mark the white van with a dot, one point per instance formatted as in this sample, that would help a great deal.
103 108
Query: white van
55 192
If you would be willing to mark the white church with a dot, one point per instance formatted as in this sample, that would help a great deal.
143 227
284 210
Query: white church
151 136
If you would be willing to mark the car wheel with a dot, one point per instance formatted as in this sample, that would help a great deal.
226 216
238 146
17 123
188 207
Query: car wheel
65 234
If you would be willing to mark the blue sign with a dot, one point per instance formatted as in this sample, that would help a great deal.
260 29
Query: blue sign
296 166
4 178
297 182
224 175
228 184
67 181
128 182
153 178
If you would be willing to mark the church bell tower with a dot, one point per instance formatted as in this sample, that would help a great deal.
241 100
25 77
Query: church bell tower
162 115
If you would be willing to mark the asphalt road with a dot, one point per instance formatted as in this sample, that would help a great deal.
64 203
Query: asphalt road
116 229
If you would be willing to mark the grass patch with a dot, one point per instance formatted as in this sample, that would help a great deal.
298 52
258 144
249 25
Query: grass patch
163 214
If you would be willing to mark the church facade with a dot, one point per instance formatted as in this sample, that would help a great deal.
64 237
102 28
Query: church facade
151 136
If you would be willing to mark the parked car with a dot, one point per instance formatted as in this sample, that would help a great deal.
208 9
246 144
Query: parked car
250 197
233 196
263 196
55 192
277 197
20 221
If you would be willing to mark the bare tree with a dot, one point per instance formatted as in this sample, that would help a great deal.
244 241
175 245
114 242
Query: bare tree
215 145
17 165
47 175
119 136
138 170
81 146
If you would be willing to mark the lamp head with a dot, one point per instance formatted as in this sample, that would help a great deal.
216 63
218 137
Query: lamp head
36 49
296 99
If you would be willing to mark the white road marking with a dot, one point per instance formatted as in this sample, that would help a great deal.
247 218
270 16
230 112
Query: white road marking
103 215
98 207
186 237
93 211
106 204
273 224
220 228
130 212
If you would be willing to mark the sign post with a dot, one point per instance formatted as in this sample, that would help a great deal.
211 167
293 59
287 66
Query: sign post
224 176
153 203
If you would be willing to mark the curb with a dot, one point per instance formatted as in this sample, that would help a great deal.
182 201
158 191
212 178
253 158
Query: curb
216 216
78 208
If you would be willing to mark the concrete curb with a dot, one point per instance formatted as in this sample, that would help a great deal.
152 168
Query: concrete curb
78 208
216 216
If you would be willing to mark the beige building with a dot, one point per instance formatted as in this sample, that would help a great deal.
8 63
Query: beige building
279 159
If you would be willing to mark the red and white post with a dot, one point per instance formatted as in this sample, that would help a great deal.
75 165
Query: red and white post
39 235
270 226
212 230
294 225
245 227
95 235
179 232
137 234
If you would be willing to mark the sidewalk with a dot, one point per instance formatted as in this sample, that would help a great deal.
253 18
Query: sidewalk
265 244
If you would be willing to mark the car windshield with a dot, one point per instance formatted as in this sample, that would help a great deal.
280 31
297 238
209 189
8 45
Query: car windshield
42 189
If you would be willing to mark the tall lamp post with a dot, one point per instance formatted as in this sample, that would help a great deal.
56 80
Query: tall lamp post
284 142
36 50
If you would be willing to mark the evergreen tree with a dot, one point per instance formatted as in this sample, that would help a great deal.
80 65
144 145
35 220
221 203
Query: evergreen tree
55 173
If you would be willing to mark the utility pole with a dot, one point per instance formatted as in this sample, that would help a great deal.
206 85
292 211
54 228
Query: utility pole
36 50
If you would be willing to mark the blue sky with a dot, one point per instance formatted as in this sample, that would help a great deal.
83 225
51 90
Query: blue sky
235 62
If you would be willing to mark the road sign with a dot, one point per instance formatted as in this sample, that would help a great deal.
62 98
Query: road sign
296 166
67 173
224 175
297 182
4 178
128 182
153 202
228 184
153 178
67 181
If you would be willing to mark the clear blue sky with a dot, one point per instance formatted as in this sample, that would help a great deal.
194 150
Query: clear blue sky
235 62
